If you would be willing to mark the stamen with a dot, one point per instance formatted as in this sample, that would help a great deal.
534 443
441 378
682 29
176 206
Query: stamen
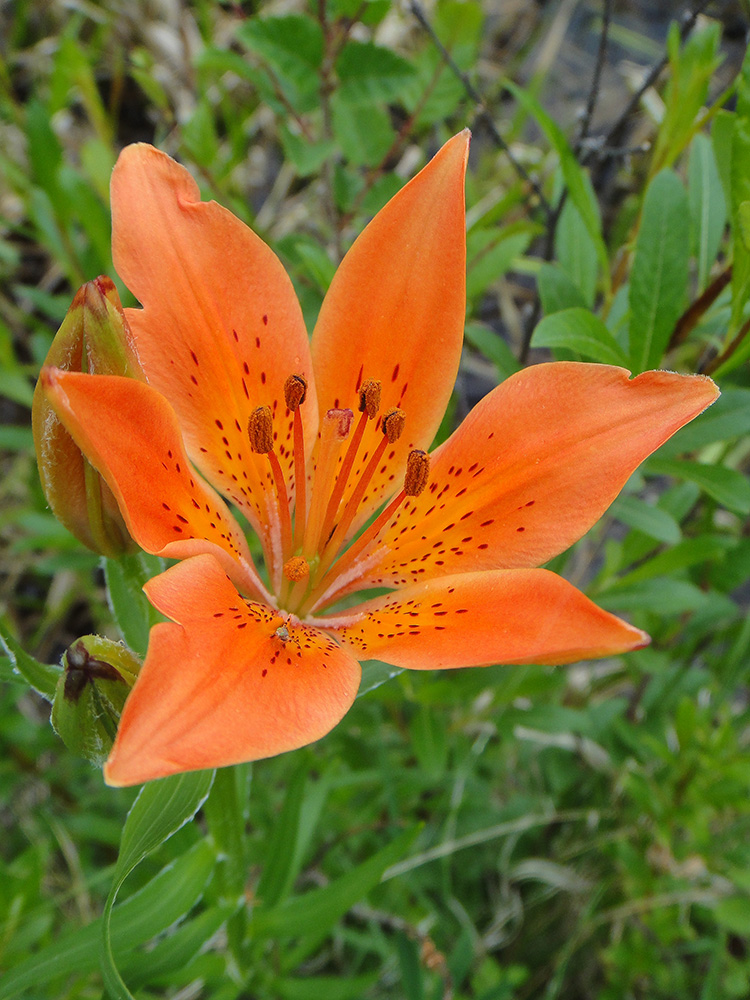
417 473
416 478
369 404
334 429
296 569
295 393
260 432
369 397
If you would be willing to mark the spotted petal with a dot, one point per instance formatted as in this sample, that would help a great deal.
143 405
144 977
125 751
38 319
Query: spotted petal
395 312
475 619
534 465
220 329
129 433
229 681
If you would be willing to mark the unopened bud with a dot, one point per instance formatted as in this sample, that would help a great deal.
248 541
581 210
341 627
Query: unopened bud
417 472
94 338
369 397
260 430
295 391
91 693
393 424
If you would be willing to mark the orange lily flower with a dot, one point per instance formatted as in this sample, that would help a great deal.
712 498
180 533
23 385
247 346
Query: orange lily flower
308 441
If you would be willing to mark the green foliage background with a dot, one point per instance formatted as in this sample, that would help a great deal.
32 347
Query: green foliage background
498 834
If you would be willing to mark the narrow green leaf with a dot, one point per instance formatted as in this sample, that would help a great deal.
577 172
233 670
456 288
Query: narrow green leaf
579 330
659 275
708 209
727 419
557 290
490 256
160 809
727 486
652 521
492 346
576 251
171 894
42 677
316 912
330 987
733 913
278 875
133 612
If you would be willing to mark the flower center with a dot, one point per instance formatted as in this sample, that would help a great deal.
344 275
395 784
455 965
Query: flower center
315 548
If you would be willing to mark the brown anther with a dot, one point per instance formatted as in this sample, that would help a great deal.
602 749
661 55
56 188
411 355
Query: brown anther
260 430
296 569
393 424
369 397
295 391
342 421
417 472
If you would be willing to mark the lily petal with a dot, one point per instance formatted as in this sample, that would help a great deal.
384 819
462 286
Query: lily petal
129 433
220 329
533 466
230 681
475 619
395 312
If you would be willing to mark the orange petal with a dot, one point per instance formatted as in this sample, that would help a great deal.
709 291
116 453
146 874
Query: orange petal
395 312
221 328
231 681
533 467
474 619
130 434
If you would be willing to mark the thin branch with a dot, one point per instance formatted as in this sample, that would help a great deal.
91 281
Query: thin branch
687 322
601 55
482 112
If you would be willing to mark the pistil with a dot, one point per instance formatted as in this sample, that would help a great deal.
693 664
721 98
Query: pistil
369 404
416 479
335 428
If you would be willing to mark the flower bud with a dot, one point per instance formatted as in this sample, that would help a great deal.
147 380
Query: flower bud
94 338
90 695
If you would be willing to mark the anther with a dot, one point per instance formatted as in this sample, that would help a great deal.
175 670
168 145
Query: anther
417 472
295 391
369 397
260 430
296 569
393 424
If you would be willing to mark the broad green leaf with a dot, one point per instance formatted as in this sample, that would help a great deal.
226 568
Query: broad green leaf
171 894
16 387
576 180
727 486
364 138
306 157
41 676
740 193
133 612
160 809
575 250
314 913
292 46
722 140
175 951
708 210
369 73
580 331
557 290
644 517
659 275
